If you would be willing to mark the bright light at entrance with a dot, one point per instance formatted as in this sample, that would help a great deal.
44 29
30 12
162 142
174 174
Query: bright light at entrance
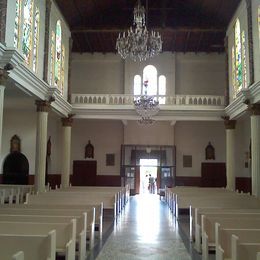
148 170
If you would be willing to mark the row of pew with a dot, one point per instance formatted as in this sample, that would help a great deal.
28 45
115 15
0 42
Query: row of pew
221 220
63 222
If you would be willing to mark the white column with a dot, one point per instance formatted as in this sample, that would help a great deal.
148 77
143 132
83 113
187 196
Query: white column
66 147
230 154
2 89
41 144
255 148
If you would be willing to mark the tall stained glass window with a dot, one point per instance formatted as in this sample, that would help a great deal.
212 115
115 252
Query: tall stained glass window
162 89
27 30
62 68
17 22
57 71
233 62
238 57
36 38
52 57
243 38
150 75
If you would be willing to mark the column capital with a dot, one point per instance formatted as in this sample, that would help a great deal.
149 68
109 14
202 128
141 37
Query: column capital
229 124
42 105
254 109
67 121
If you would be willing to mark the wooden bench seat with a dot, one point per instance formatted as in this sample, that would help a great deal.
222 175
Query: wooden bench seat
223 238
65 233
40 247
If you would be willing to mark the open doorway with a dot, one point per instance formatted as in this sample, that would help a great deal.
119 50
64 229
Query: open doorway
148 176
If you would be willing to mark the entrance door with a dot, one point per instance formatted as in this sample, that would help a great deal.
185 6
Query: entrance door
148 175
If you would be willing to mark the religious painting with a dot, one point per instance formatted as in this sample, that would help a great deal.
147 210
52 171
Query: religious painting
210 152
89 150
110 159
187 161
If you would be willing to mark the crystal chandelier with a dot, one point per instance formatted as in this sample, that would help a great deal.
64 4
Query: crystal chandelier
146 106
138 43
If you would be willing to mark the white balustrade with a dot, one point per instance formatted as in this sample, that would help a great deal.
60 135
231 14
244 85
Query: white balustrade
127 99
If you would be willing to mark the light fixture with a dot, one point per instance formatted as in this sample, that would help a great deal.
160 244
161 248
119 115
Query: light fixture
146 106
137 43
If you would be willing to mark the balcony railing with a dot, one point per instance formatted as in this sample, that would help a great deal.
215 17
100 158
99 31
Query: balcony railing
126 99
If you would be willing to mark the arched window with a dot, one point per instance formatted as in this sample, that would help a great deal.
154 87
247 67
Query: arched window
52 59
17 23
137 85
27 30
57 72
155 86
243 38
162 89
238 57
150 75
36 38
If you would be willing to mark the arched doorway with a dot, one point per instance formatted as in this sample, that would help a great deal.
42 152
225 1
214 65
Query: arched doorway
15 169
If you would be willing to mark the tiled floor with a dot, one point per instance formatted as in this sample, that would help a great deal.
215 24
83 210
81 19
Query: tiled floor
145 230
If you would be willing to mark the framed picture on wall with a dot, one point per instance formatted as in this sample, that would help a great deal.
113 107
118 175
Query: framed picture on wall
110 159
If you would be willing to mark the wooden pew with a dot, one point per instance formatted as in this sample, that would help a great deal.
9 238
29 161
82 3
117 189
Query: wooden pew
65 234
214 212
223 238
90 217
244 250
208 228
80 226
40 247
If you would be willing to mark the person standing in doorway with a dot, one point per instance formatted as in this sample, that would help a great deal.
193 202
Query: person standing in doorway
151 184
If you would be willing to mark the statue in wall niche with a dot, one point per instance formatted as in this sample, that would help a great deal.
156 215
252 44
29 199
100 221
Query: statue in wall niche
15 144
89 150
210 152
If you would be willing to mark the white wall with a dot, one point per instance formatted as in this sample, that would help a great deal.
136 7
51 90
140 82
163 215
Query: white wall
191 138
105 135
97 74
200 74
160 133
242 137
23 124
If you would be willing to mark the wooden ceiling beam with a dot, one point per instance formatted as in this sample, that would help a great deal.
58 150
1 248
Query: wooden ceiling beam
166 29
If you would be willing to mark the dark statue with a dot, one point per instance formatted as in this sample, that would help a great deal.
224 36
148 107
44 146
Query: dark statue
210 152
89 150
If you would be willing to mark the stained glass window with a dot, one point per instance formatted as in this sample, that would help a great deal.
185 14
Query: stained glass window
162 89
27 30
52 57
57 71
137 85
62 68
150 75
36 38
17 22
233 62
238 57
243 38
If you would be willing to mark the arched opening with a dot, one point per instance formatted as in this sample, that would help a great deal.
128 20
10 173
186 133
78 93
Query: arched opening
15 169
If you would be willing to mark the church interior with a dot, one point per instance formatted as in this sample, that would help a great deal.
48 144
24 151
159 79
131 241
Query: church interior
149 110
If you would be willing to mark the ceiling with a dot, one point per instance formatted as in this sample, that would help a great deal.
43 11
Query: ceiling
185 25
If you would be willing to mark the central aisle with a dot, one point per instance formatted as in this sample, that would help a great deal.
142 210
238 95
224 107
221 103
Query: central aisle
145 230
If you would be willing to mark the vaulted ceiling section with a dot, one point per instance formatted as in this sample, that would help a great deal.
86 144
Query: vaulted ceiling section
185 25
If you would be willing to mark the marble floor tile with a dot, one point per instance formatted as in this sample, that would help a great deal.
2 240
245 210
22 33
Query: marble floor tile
145 230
